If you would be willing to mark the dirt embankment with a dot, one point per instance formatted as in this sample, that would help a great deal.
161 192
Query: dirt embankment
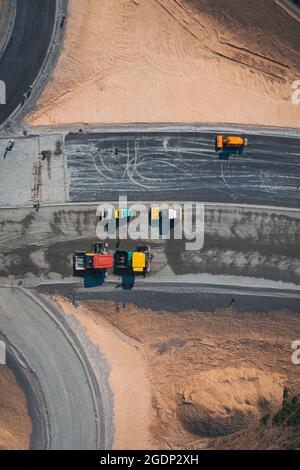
128 377
197 380
15 423
126 61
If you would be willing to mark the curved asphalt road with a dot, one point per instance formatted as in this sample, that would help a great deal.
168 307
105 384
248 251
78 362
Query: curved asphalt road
26 50
62 387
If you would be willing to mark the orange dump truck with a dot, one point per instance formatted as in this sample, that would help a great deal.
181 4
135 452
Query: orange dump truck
232 141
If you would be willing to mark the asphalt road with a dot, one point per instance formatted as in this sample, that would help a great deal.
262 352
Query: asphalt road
249 245
176 298
182 166
26 50
61 385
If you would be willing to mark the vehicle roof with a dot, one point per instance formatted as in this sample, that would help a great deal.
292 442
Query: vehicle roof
138 260
103 261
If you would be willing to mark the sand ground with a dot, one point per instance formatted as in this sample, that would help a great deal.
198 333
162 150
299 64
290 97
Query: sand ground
146 61
128 366
15 424
195 380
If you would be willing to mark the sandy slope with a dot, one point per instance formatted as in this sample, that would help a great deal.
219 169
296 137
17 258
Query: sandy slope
195 380
15 424
175 60
128 378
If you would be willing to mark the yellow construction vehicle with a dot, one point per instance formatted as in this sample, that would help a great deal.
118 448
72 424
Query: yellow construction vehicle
155 213
138 262
171 213
123 213
232 141
133 262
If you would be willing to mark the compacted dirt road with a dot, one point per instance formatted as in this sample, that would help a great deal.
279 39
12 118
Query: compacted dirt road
64 402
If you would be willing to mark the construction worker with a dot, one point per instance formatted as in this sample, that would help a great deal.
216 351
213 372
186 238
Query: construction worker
29 91
27 94
36 205
62 22
10 145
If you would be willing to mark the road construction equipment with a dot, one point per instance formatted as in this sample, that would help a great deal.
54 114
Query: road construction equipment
155 213
231 142
109 213
123 213
122 260
136 262
171 213
148 256
97 260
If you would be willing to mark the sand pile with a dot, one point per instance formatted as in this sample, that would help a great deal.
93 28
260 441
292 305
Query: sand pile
15 424
127 61
221 402
197 380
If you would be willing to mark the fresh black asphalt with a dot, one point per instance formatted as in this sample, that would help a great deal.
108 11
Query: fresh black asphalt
26 50
181 166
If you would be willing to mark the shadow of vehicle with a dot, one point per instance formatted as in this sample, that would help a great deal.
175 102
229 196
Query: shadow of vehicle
94 279
128 282
225 154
